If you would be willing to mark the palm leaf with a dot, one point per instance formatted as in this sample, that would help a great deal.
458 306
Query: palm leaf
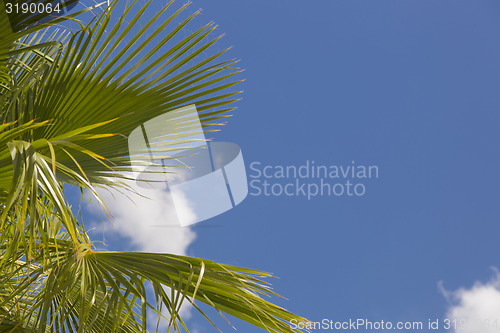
92 84
69 100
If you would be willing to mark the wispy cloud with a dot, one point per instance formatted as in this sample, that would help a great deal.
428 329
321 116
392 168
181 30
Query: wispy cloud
475 309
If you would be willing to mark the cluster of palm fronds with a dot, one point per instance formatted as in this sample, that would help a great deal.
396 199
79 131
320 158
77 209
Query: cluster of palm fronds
68 100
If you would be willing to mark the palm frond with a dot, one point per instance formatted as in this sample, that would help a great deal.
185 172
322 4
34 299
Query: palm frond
69 100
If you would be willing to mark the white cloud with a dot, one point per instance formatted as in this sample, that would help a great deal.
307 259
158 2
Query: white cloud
148 218
476 307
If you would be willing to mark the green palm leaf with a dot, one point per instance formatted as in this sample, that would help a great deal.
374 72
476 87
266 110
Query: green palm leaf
69 100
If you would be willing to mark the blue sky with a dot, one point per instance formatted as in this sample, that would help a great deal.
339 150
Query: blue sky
408 86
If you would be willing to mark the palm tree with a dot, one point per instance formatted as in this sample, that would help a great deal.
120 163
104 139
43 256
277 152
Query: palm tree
69 99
